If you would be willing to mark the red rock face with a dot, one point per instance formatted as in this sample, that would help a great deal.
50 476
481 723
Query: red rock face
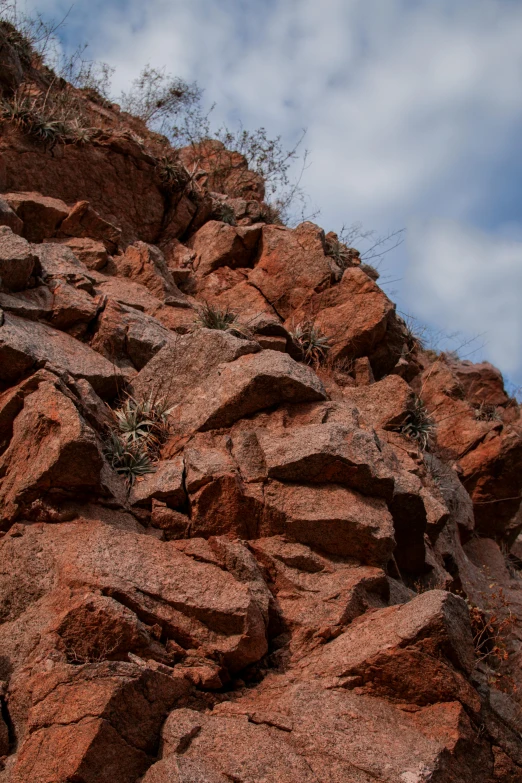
309 577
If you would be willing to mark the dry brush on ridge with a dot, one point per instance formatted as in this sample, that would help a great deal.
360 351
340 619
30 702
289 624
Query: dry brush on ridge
250 530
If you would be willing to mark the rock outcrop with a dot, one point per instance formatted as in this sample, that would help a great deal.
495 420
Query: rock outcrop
225 557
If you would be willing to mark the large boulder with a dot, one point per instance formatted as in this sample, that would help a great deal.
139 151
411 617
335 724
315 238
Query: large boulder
219 244
358 319
97 723
41 215
328 453
249 384
145 264
17 261
291 266
196 605
51 449
114 174
125 335
27 345
483 437
90 252
181 367
84 221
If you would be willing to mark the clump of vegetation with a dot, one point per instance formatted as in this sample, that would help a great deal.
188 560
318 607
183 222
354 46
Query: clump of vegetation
313 343
371 271
211 317
419 425
225 213
43 117
140 428
172 173
157 97
341 253
485 411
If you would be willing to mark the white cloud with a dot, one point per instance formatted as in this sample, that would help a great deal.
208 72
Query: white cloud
460 278
411 108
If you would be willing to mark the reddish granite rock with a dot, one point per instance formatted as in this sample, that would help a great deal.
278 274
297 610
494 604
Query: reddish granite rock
220 244
84 221
8 217
124 334
166 483
331 518
146 265
95 723
27 345
222 170
120 184
384 404
244 386
90 252
51 448
17 261
488 451
358 319
41 215
328 453
291 266
180 368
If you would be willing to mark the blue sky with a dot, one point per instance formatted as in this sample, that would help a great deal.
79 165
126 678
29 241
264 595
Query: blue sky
414 118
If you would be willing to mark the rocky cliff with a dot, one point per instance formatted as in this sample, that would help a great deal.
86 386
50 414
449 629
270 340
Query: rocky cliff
251 530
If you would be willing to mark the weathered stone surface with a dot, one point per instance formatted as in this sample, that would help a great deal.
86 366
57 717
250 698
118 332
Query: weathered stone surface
316 595
26 345
222 170
355 315
437 616
331 518
218 244
8 217
489 452
229 289
247 385
166 483
114 175
303 733
84 221
291 266
41 215
328 453
95 723
58 262
51 448
17 261
124 334
90 252
179 369
196 604
382 405
145 264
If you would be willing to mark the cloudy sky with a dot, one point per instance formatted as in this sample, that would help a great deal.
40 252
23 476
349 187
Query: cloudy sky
414 118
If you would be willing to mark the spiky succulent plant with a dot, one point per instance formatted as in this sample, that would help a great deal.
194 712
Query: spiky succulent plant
313 343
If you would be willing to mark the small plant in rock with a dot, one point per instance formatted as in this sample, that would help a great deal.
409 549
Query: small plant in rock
313 343
485 411
271 214
130 459
226 214
340 253
371 271
419 425
172 173
140 429
211 317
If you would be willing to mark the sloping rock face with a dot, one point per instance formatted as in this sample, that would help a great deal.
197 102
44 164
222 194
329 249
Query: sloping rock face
314 573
